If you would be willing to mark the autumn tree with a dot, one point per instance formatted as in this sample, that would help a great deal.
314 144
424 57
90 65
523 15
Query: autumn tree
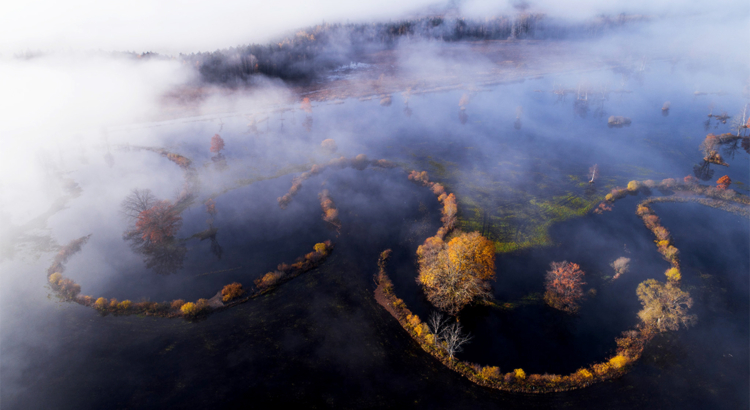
158 223
456 273
232 291
665 307
564 283
217 144
723 182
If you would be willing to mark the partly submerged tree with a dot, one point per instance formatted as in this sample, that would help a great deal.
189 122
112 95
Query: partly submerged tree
158 223
217 144
456 273
665 307
564 285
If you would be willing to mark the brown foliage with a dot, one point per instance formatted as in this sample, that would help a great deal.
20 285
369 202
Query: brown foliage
420 177
158 223
232 291
217 144
564 285
330 213
178 159
210 206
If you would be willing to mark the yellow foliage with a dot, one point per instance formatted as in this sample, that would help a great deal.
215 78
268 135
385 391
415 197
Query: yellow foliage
520 374
584 373
662 244
414 320
100 303
633 185
320 248
189 309
609 197
55 278
618 361
601 368
490 372
673 274
429 338
124 305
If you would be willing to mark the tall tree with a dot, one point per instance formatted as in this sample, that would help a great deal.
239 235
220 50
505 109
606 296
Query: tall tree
665 307
456 273
158 223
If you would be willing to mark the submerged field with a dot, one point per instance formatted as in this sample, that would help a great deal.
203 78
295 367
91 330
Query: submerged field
516 155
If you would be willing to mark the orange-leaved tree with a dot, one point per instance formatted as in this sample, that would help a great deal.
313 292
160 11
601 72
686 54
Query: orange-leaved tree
456 273
723 182
564 286
158 223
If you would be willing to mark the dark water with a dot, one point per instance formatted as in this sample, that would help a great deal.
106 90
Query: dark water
321 340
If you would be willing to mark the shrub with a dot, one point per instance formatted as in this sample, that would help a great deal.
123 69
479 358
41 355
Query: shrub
189 309
670 253
661 233
633 186
618 361
585 374
269 279
55 278
520 374
101 303
124 305
232 291
490 372
321 248
176 304
601 368
673 274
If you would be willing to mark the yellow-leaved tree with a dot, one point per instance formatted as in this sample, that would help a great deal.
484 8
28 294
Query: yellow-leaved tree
455 273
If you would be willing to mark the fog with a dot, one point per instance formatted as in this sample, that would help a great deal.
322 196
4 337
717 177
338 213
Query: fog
498 119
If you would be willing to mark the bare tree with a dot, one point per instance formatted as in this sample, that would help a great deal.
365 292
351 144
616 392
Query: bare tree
594 171
138 201
454 339
437 324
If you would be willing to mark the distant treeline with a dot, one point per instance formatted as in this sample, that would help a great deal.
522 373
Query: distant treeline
310 53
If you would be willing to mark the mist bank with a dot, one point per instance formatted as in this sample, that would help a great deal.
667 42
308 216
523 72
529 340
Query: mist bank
310 53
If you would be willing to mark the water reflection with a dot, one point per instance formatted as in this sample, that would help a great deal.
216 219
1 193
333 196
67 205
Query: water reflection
703 171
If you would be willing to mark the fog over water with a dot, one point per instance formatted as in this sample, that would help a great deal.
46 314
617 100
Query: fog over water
511 126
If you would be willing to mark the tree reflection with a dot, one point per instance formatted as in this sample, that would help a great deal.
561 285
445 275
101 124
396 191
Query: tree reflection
703 171
153 235
463 117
